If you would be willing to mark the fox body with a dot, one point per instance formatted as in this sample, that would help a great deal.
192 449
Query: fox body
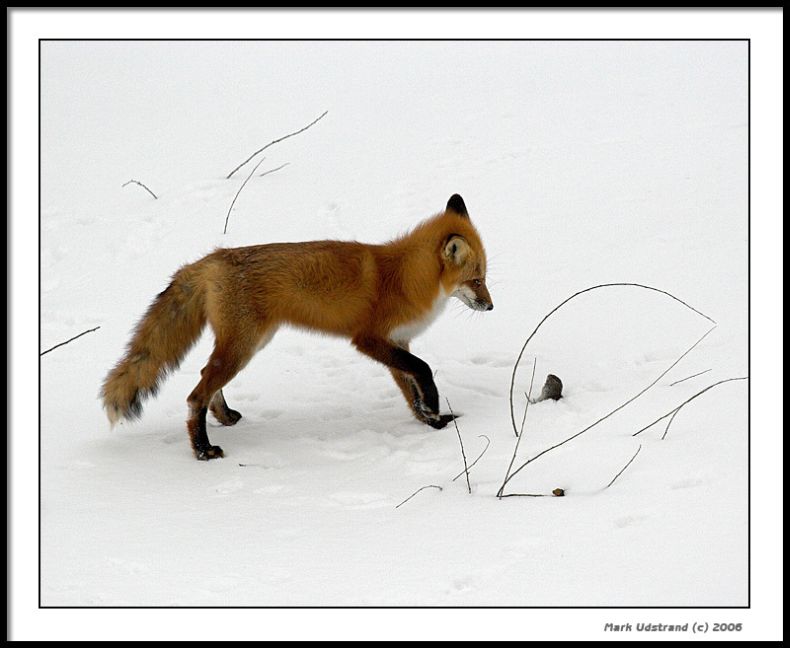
378 296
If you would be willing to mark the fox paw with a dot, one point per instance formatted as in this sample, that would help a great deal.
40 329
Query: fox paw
442 421
423 411
429 417
227 417
209 452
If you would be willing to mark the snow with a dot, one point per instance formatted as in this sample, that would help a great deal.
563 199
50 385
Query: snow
580 163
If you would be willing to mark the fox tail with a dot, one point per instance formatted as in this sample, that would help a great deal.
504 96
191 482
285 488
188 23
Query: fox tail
169 328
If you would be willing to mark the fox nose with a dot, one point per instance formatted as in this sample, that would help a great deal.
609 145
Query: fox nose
490 307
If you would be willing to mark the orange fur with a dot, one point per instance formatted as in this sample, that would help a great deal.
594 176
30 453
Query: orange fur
358 291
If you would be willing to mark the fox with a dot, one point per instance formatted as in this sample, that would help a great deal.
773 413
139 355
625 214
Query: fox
379 296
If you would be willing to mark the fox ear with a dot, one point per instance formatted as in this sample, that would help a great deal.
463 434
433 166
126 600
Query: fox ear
456 204
456 250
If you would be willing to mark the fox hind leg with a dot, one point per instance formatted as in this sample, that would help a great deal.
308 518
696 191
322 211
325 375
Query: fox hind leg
227 359
219 408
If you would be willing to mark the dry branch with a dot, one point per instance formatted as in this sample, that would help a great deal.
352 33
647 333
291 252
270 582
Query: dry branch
417 491
137 182
479 457
556 308
273 142
225 230
260 175
521 434
606 416
624 467
697 395
649 425
677 382
463 454
69 340
675 410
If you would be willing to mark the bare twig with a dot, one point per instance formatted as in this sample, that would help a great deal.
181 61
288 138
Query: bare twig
522 495
69 340
521 434
556 308
225 231
677 382
137 182
529 400
671 418
697 395
417 491
479 457
624 467
260 175
649 425
606 416
463 454
273 142
675 410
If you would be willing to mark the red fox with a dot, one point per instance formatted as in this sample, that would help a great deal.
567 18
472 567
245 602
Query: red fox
379 296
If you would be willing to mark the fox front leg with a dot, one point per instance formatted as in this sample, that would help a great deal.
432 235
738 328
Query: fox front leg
414 400
417 376
413 396
421 410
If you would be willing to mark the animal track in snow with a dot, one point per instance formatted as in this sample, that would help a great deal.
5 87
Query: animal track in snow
343 455
355 500
338 413
219 583
628 520
270 413
490 362
227 487
427 467
269 490
244 397
128 566
525 548
173 437
461 586
686 483
478 389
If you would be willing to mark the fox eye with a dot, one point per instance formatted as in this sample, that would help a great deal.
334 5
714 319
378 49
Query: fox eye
477 283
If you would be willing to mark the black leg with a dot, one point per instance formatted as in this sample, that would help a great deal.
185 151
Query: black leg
196 425
418 377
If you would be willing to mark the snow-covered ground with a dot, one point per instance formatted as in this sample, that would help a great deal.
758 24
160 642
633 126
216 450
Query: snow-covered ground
581 163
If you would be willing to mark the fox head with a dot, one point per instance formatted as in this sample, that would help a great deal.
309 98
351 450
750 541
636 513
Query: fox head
464 259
